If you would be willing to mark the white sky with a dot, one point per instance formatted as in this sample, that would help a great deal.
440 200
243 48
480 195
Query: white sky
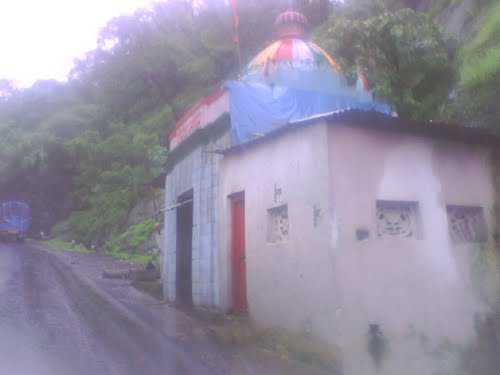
39 39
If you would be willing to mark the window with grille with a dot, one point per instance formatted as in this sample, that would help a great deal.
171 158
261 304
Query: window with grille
467 224
278 224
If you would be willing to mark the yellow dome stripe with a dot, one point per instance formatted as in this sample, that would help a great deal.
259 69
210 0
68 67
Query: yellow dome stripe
332 62
269 54
266 54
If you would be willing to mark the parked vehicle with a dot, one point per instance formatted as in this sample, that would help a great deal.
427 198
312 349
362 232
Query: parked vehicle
15 219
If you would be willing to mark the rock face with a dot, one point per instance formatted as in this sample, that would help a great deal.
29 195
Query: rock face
149 207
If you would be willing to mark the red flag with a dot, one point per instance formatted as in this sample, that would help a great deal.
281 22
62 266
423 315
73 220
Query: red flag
236 21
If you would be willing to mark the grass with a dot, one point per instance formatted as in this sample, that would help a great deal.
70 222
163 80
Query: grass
129 245
134 258
62 245
59 244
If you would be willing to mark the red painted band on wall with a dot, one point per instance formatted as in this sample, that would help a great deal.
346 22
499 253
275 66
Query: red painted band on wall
206 111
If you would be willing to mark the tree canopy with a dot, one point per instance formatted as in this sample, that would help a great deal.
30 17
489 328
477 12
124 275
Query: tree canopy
101 135
402 52
90 147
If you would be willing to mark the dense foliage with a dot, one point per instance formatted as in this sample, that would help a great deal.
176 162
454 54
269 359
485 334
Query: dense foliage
89 148
402 52
476 98
134 239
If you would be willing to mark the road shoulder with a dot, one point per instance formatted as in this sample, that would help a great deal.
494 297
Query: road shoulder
187 329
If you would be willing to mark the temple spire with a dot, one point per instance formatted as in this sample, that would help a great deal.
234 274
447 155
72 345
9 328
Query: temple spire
291 24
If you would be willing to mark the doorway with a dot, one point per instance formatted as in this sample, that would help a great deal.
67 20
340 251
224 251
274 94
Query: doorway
238 255
184 279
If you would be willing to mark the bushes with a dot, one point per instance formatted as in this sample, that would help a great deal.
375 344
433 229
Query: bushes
475 100
404 54
113 172
129 246
481 56
133 240
106 215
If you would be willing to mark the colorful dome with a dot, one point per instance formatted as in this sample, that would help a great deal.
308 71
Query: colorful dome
290 80
292 52
294 62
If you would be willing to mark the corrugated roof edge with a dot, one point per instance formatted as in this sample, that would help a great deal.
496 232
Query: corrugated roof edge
379 121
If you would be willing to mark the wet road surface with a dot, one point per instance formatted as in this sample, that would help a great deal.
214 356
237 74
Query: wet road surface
52 323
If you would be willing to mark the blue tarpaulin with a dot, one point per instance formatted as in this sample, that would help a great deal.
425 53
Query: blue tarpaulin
257 108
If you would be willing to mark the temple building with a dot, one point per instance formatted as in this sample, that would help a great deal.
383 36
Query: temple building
292 79
305 203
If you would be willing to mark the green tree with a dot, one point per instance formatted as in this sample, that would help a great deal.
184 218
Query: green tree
100 136
403 53
475 100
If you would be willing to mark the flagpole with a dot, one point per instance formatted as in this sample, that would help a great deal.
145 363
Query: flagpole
236 27
238 51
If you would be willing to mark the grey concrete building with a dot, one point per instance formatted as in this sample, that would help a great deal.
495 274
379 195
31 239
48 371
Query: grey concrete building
191 189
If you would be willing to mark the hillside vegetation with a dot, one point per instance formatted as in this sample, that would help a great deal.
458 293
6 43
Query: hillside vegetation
88 149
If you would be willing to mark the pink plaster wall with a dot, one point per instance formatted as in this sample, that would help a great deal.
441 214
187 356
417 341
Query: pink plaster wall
323 281
415 288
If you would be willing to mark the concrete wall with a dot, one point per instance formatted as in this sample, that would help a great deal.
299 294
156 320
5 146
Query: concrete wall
289 283
423 292
198 170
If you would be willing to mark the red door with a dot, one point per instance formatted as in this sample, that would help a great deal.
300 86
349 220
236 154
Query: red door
239 277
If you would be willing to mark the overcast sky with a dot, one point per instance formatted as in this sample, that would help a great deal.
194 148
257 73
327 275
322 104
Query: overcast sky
39 39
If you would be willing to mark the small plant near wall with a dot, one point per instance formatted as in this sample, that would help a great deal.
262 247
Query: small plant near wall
131 245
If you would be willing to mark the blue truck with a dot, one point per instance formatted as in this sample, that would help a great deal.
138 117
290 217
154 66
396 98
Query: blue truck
15 219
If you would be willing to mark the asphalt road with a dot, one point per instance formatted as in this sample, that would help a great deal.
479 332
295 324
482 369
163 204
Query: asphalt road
51 323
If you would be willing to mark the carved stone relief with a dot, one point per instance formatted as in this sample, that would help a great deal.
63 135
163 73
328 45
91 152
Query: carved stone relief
397 219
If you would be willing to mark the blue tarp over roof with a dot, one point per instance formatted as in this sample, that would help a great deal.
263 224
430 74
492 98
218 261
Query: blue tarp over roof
257 108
